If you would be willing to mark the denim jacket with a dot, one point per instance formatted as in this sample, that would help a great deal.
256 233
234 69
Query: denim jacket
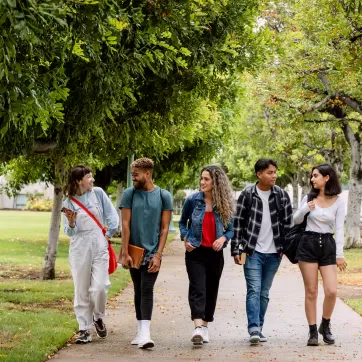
192 217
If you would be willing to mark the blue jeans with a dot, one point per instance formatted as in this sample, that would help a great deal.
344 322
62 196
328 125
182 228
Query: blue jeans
259 271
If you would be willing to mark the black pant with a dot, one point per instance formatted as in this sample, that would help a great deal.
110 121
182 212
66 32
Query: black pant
204 267
143 283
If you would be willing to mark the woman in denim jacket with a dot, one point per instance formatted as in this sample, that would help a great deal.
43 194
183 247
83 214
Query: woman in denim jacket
206 226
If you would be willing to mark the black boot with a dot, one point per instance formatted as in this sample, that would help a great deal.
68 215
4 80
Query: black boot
313 335
325 331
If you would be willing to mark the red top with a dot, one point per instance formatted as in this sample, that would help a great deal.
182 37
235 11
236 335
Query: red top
208 229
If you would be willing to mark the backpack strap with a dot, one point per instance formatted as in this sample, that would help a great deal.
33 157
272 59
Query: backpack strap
278 200
249 199
162 197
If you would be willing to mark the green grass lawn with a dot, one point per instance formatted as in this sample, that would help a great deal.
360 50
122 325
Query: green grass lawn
36 316
352 277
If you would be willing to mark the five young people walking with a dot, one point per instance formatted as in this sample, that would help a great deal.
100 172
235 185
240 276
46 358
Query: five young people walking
257 227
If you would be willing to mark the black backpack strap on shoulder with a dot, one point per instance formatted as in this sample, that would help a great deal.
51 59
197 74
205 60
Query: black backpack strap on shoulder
133 190
249 199
162 199
278 201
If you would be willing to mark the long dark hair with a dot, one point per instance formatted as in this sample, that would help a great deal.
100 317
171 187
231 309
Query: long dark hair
332 187
75 174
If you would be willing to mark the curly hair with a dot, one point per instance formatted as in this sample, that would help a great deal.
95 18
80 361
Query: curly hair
221 193
143 163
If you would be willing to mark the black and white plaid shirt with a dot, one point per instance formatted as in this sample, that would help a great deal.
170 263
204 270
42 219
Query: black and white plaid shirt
248 218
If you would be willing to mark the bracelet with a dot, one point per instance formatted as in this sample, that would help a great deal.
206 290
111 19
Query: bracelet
158 255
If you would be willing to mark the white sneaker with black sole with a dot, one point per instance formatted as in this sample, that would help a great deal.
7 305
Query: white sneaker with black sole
197 336
100 327
145 340
254 337
83 337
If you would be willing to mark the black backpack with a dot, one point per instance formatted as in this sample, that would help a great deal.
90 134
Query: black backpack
292 239
249 200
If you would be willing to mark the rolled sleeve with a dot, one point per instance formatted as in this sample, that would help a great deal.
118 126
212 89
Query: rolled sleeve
229 231
110 215
67 229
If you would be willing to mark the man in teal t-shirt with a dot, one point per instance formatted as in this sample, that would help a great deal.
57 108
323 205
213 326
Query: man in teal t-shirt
146 214
146 210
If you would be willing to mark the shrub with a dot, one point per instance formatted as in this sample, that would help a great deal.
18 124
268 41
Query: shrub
39 204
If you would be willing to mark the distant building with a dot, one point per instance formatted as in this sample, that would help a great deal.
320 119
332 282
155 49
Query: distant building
19 201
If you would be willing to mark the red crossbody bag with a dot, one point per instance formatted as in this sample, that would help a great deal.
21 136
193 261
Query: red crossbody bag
112 265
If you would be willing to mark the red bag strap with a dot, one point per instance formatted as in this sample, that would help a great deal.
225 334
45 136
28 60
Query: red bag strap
91 215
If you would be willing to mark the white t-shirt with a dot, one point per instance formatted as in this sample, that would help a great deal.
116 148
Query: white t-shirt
324 220
265 243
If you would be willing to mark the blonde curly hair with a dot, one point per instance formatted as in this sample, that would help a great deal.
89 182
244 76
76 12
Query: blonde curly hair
221 193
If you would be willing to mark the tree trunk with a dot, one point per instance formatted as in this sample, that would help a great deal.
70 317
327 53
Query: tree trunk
353 235
295 192
118 202
48 271
304 182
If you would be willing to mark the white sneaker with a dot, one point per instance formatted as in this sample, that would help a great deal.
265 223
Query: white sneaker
83 337
145 340
205 334
146 343
137 339
197 336
263 338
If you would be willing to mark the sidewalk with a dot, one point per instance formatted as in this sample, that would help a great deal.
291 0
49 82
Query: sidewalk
286 326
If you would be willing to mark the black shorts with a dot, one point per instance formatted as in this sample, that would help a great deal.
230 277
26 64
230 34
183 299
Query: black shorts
317 248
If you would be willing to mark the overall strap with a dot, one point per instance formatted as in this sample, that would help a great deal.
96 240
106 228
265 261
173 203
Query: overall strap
90 215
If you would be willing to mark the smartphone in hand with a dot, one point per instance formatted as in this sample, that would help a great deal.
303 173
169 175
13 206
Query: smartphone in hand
66 211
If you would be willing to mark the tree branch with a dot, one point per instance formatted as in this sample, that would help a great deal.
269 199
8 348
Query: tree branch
351 103
333 120
306 72
318 105
266 117
44 147
327 85
315 90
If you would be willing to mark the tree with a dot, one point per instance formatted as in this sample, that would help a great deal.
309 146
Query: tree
319 66
96 81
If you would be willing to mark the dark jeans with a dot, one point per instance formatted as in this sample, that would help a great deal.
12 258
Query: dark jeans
204 267
143 283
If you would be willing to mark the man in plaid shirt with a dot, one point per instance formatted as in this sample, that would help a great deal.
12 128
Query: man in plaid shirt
263 216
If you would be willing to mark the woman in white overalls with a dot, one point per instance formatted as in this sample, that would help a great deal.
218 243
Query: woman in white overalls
88 251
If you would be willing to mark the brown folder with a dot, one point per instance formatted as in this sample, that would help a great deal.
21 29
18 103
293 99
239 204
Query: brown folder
242 259
137 254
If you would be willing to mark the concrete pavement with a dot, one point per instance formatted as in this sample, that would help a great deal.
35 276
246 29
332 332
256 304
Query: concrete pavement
286 326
